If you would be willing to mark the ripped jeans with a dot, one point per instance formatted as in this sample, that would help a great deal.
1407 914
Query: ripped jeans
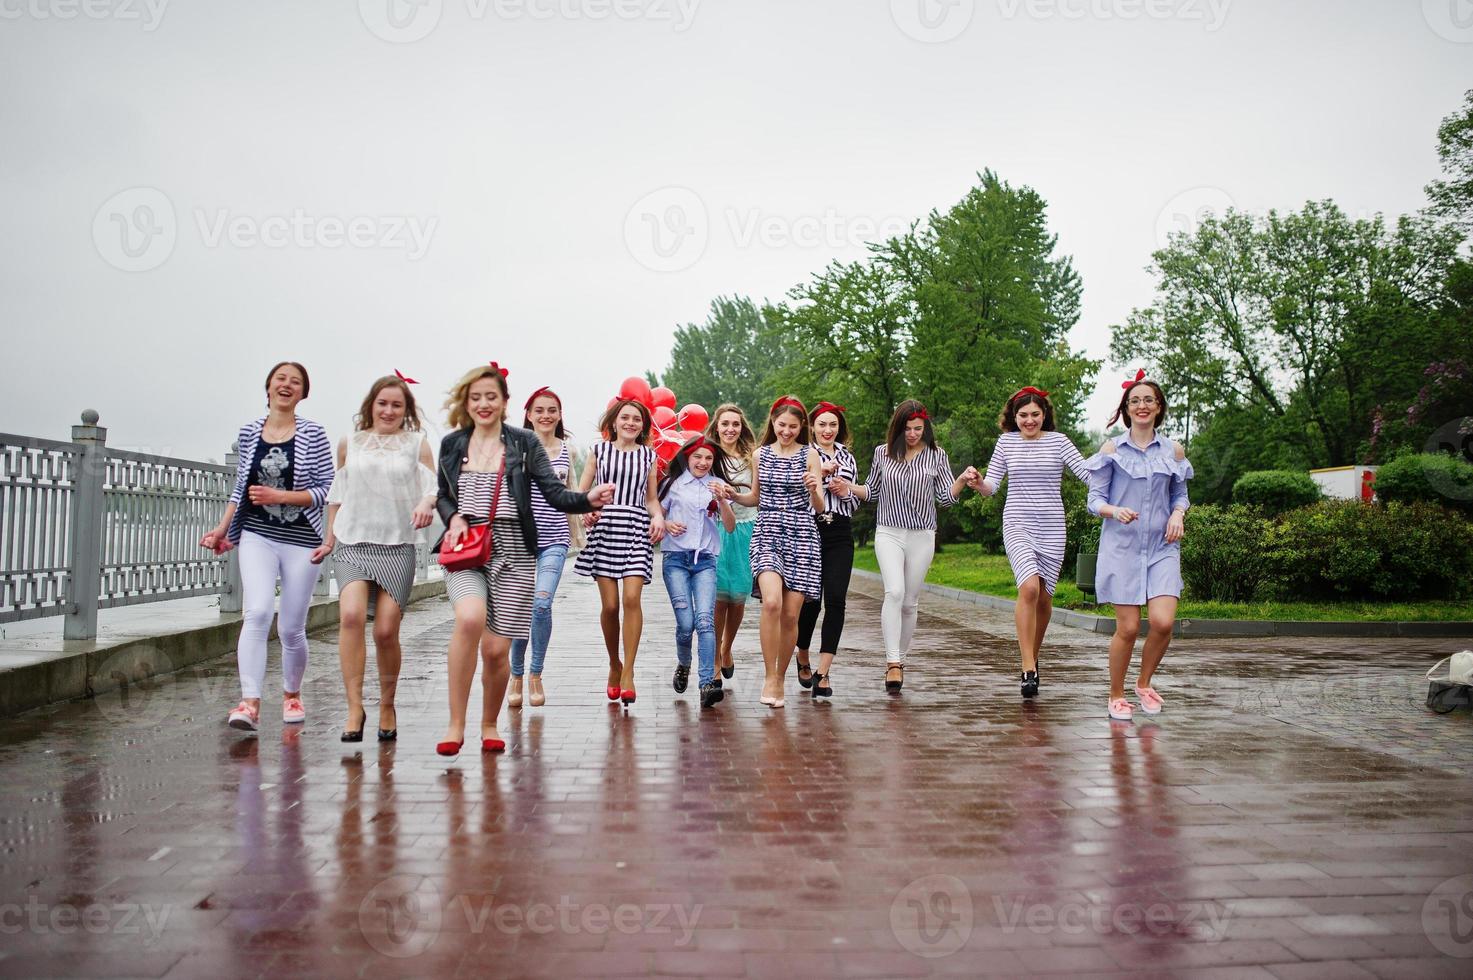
550 561
692 588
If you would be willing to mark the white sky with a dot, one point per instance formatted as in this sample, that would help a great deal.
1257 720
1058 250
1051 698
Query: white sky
532 144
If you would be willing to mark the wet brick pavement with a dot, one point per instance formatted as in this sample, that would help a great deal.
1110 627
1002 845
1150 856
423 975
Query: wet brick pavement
1295 813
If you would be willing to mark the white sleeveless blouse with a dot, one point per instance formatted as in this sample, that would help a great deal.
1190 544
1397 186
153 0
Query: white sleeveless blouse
380 484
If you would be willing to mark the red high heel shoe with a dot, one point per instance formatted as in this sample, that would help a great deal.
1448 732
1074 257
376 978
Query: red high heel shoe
612 692
626 695
449 748
493 745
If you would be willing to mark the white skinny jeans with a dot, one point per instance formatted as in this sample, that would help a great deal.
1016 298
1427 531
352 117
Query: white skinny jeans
904 557
261 561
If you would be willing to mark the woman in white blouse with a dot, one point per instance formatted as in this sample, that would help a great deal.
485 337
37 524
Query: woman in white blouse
382 495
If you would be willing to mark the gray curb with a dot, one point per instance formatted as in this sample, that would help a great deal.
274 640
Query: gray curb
1218 628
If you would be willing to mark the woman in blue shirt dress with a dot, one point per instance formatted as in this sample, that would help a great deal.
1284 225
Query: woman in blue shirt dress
1138 484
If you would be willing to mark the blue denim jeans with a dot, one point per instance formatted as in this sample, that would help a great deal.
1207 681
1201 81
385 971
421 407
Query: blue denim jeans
550 562
692 588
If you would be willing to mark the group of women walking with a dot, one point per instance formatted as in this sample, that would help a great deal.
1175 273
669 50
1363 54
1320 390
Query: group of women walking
737 515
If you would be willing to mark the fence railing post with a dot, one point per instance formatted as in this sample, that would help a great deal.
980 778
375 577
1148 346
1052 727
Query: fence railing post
231 599
84 554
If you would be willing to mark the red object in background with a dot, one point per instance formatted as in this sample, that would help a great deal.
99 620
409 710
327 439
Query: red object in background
666 449
1368 486
664 416
694 417
638 389
662 397
611 403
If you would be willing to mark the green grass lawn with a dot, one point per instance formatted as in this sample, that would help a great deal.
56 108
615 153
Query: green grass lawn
967 566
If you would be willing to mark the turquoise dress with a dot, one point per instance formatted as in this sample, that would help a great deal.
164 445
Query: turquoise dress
734 564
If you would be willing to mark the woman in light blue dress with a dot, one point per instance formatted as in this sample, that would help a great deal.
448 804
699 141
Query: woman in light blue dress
1138 484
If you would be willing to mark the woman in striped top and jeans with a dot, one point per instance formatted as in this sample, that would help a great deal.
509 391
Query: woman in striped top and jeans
1032 456
620 554
556 533
836 546
383 495
275 517
909 477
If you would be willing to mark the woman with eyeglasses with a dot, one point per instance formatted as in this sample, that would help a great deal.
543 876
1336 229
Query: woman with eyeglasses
1138 484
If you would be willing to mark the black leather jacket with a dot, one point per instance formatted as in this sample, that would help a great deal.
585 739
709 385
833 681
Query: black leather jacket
526 461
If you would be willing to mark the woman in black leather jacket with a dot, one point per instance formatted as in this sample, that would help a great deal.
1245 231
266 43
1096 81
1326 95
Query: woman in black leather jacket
487 468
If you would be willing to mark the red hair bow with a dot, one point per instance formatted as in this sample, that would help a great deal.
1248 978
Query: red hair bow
544 390
400 375
822 407
699 442
1030 390
1132 382
919 413
786 401
504 372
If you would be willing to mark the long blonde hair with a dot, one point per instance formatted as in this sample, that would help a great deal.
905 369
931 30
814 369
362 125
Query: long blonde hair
455 404
727 463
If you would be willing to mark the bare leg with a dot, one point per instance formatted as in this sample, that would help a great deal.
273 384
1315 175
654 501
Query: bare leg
1025 620
389 655
470 623
1122 644
352 651
1161 617
495 672
792 608
726 629
608 620
770 630
1044 611
633 589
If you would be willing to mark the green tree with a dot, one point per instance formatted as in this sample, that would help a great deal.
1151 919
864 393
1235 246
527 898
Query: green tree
731 357
1452 198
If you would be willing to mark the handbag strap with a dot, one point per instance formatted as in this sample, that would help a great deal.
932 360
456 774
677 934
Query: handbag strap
496 493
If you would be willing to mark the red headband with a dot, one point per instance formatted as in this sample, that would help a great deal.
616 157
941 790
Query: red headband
1132 382
822 407
699 442
400 375
1030 390
785 402
504 372
544 390
919 413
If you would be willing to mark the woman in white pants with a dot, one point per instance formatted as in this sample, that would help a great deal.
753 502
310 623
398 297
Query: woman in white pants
275 518
910 475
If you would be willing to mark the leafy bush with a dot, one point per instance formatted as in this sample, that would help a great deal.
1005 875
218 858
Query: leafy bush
1222 553
1276 491
1435 478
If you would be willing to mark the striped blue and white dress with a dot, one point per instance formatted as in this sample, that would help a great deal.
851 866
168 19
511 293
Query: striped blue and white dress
785 539
1033 517
619 543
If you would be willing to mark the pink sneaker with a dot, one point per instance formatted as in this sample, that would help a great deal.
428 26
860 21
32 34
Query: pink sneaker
1120 709
1151 702
292 711
245 717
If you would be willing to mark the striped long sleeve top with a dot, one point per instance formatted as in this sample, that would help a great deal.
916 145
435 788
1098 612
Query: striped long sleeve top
906 492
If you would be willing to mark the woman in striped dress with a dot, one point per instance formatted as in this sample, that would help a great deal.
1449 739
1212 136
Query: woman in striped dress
735 442
383 494
785 545
909 476
1032 456
275 517
556 534
620 553
836 545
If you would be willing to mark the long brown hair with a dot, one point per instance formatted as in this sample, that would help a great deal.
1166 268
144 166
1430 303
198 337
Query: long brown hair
364 418
606 424
727 463
1121 410
544 392
306 381
1007 421
460 418
895 435
786 405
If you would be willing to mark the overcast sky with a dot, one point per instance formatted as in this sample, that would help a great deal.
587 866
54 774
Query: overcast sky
193 191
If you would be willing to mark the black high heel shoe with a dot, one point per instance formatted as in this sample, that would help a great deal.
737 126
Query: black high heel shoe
728 671
821 686
352 736
806 682
390 734
1029 685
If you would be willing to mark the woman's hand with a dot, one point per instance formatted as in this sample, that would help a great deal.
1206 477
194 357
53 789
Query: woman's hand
813 481
674 528
657 529
456 530
841 487
601 496
1176 527
971 477
829 467
423 515
322 551
217 539
719 490
1124 515
262 496
589 520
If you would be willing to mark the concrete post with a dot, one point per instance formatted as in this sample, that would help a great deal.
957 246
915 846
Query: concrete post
84 558
231 598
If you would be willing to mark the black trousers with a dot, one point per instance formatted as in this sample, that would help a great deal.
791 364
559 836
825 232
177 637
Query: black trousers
836 544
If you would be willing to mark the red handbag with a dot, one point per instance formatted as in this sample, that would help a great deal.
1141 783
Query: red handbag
474 548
